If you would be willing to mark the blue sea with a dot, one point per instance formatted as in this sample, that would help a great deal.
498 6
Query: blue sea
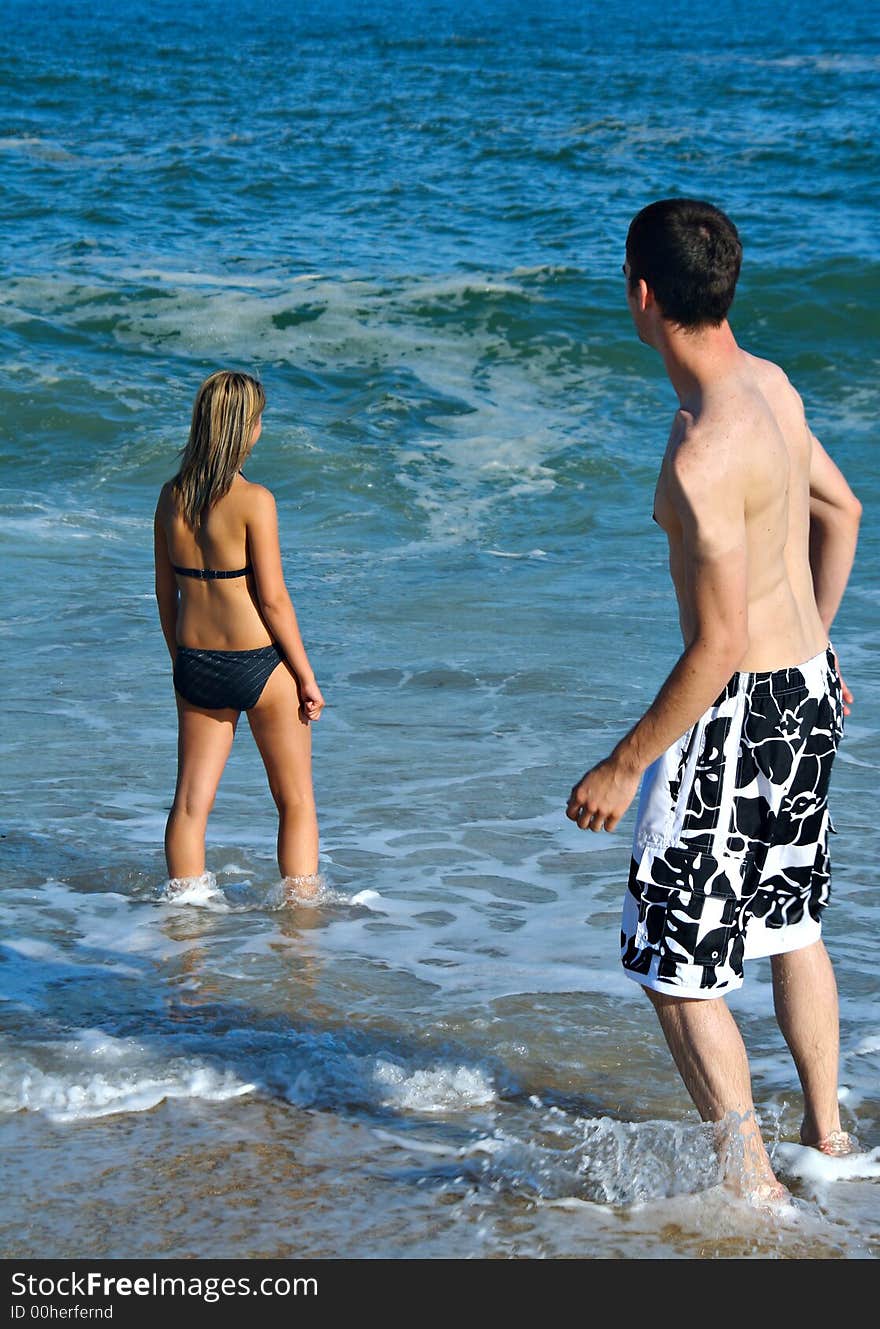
408 219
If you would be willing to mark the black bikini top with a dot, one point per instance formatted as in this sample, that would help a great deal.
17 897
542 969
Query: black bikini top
209 574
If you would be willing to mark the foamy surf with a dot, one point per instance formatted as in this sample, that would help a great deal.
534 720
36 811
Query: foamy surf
367 898
796 1160
203 892
434 1088
347 1071
96 1075
207 892
553 1158
600 1159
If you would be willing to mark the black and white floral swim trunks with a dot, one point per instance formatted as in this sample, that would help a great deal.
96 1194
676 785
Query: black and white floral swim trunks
730 856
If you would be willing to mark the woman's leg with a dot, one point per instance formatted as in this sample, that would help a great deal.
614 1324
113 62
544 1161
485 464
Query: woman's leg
203 743
285 743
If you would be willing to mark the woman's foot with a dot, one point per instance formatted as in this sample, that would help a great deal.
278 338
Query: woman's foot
175 886
302 889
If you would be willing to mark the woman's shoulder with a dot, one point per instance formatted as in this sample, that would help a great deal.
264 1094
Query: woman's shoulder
166 501
254 498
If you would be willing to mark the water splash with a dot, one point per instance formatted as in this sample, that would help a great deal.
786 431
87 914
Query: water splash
201 891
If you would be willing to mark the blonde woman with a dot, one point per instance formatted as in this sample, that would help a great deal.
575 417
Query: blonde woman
232 633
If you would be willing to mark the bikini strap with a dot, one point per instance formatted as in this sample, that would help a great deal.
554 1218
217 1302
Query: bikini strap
209 574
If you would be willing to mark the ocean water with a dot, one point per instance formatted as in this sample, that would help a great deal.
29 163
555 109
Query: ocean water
409 219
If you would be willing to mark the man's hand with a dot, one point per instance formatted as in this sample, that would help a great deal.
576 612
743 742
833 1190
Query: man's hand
603 796
845 692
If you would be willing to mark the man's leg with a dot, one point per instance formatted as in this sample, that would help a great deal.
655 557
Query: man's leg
805 999
711 1057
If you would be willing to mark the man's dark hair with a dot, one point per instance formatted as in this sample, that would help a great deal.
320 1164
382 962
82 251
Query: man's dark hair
689 254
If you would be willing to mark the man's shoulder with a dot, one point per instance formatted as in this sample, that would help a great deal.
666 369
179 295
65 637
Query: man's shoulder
706 463
759 364
774 382
694 440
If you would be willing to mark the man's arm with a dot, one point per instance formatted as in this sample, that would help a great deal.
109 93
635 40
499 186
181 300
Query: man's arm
711 510
835 513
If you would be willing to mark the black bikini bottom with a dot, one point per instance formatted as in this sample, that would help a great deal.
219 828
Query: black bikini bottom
219 680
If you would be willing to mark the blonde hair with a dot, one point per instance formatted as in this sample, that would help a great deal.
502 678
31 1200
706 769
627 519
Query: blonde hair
226 408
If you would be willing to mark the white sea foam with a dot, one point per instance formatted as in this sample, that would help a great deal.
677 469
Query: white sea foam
31 967
33 949
37 147
200 891
814 1166
183 277
414 1145
433 1089
344 1069
511 422
19 141
94 1075
594 1160
36 519
366 897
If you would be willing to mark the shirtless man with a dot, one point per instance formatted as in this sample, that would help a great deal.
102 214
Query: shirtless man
730 855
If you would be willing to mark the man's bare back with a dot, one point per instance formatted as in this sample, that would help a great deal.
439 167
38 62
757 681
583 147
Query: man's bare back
746 450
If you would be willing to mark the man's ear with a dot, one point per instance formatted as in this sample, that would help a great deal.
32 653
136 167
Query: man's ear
644 295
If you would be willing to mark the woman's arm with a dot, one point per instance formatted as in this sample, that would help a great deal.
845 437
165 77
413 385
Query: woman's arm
264 555
166 584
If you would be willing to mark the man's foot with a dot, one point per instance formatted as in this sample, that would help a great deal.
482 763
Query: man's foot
837 1144
745 1165
768 1196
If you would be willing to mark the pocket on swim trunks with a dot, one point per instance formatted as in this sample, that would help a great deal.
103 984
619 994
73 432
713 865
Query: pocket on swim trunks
681 868
688 912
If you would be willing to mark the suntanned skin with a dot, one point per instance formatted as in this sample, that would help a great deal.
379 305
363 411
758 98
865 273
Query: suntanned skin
762 531
238 614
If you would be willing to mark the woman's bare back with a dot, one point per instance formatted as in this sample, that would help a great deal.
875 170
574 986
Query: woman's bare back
215 614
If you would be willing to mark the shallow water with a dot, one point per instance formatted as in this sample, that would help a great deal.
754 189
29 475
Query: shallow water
441 1057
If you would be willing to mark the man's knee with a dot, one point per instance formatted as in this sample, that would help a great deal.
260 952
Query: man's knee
666 1000
686 1012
